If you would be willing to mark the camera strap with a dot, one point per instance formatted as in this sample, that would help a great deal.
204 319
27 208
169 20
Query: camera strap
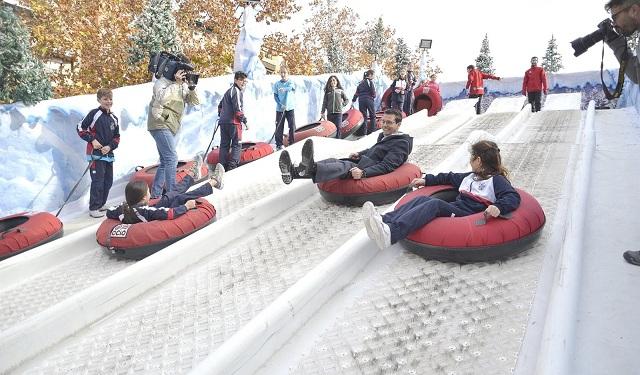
623 66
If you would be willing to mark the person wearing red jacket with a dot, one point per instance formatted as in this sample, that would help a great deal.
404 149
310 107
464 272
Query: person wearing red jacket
534 83
475 84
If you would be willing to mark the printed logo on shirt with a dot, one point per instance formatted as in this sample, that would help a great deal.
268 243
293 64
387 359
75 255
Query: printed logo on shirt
120 231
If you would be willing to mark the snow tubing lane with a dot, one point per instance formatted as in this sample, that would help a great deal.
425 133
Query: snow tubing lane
459 239
250 151
426 98
318 129
147 174
381 189
23 231
352 120
137 241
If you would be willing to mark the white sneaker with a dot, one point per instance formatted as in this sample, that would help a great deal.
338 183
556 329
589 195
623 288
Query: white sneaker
218 175
196 168
376 228
96 213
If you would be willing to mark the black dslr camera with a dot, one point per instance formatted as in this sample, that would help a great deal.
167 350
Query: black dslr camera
165 64
605 31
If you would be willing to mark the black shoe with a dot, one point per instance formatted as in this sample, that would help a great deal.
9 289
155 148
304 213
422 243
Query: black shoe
632 257
286 168
307 166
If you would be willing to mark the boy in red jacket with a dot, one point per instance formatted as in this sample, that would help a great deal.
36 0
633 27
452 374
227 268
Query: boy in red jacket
534 83
475 84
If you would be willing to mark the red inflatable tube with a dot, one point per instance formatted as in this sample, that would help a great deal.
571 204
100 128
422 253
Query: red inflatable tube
318 129
250 151
23 231
137 241
427 98
352 120
385 103
466 239
381 189
147 174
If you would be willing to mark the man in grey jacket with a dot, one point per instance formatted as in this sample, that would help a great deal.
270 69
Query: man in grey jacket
625 15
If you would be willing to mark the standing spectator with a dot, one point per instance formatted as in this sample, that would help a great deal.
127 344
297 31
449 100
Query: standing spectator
408 100
231 117
534 83
284 94
366 94
101 131
334 101
163 122
398 90
475 84
432 84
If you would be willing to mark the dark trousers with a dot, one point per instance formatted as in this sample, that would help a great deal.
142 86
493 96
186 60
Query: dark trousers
535 98
229 140
408 103
479 103
179 196
291 122
417 213
336 118
101 181
367 107
330 169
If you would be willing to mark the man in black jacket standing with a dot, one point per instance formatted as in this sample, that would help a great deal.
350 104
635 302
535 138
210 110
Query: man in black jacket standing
390 151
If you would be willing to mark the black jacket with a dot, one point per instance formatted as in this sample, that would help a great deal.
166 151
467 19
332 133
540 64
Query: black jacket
386 155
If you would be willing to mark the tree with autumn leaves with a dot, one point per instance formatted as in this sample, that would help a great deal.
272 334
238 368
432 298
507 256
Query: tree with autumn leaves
107 44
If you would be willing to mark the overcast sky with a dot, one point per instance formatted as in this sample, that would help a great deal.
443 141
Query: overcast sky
517 30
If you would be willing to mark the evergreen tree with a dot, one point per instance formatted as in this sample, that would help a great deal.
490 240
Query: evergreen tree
402 57
377 42
552 60
336 60
156 31
22 76
428 66
484 61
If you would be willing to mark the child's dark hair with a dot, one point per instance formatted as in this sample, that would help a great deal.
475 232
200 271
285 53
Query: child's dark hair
104 92
239 75
134 192
489 154
327 88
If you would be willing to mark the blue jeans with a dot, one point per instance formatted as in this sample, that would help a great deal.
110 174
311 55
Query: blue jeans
166 172
417 213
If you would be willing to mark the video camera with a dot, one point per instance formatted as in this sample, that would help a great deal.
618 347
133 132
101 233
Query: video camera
605 31
165 64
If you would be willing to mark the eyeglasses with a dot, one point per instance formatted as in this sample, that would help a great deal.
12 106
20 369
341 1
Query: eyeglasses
616 14
387 122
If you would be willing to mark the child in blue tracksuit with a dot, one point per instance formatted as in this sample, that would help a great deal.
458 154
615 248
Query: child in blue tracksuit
486 188
172 204
100 130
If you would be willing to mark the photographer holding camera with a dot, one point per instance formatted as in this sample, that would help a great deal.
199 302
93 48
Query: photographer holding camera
624 21
174 87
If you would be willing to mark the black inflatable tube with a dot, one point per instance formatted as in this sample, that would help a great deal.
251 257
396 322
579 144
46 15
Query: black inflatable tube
377 199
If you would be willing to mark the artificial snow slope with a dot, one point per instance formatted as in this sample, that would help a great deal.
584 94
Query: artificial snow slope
562 101
507 104
607 331
230 287
402 314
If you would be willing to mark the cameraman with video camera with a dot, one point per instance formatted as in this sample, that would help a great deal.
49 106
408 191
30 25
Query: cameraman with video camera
175 86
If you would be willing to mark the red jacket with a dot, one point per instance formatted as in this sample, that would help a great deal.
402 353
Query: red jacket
475 83
535 79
